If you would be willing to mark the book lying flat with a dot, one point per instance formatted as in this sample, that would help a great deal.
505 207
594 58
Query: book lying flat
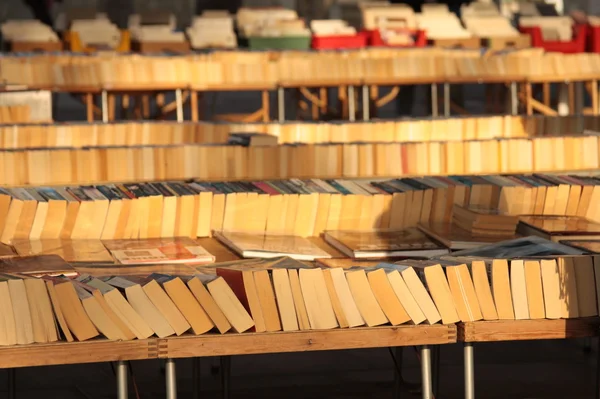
41 265
520 247
70 250
159 251
591 246
384 243
263 246
453 237
556 228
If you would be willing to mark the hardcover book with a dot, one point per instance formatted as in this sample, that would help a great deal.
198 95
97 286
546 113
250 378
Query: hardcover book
384 243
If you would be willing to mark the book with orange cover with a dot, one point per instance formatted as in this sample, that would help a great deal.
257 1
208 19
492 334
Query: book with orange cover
159 251
384 243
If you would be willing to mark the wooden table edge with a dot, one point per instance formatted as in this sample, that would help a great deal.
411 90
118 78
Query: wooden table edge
307 341
527 330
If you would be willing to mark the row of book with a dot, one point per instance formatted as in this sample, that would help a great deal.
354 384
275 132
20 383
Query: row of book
365 160
285 207
77 135
286 295
268 69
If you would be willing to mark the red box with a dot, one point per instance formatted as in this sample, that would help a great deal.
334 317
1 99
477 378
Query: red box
577 45
593 42
375 39
336 42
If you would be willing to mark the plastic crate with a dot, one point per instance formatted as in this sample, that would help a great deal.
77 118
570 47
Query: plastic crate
374 39
339 42
279 43
577 45
593 39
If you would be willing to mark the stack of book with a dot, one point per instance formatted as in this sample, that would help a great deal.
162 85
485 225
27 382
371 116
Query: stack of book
440 23
553 28
297 207
27 31
99 33
482 221
212 29
286 295
559 228
154 27
331 27
396 23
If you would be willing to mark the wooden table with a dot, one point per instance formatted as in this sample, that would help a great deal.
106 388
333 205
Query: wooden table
518 330
210 345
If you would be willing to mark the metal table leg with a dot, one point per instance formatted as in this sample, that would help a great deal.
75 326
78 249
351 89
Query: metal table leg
365 103
122 389
171 379
179 103
563 99
434 100
351 104
104 105
426 372
514 99
469 371
447 100
281 104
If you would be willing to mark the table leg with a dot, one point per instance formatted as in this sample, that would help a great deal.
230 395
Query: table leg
447 100
594 95
434 100
12 383
514 99
196 376
398 371
579 100
281 104
351 104
171 379
528 95
563 99
179 103
469 371
225 376
89 106
104 105
266 106
193 105
365 102
426 372
122 390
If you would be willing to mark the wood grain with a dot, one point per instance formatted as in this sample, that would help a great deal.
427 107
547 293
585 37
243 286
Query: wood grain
94 351
522 330
245 344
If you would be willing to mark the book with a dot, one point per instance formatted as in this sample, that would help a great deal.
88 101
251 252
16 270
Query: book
263 246
558 228
71 251
520 247
159 251
456 238
386 243
38 265
208 302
